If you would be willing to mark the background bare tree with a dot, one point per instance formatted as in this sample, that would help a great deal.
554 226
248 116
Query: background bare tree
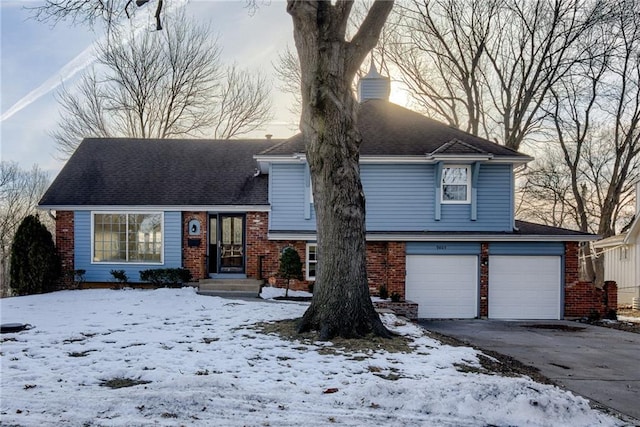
287 71
439 48
20 191
595 117
486 66
162 84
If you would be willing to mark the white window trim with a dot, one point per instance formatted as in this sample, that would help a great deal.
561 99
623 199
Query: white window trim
127 213
308 262
468 184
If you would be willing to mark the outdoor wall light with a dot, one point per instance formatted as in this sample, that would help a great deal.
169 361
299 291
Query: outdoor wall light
194 227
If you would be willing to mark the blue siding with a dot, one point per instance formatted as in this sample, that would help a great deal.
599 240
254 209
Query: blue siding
443 248
288 198
526 248
400 197
101 272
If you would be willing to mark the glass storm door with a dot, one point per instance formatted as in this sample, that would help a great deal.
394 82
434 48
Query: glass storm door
231 243
213 244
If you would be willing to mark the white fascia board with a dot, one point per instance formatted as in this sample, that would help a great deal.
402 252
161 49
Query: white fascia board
265 160
460 157
616 240
408 237
172 208
479 238
394 159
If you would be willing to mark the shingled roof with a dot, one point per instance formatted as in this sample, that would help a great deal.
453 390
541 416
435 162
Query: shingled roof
166 172
388 129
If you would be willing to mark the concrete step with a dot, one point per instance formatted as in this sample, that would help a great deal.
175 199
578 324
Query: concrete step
249 286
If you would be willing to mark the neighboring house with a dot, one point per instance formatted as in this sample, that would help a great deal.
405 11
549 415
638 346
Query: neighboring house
622 259
440 214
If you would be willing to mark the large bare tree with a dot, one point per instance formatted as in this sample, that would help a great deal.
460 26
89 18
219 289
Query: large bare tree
20 191
328 64
162 84
439 48
487 66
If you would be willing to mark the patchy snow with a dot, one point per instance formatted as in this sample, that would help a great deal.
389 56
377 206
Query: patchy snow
206 365
630 319
270 292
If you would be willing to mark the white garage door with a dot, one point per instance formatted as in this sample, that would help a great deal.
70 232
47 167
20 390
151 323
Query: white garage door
524 287
444 286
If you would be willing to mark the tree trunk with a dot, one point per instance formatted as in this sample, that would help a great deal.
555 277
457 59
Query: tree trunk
341 305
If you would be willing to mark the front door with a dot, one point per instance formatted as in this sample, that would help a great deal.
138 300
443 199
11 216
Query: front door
231 243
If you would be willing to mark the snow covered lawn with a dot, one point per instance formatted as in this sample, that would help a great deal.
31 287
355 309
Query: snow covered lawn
200 362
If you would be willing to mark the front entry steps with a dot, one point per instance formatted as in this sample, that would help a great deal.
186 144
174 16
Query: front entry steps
238 288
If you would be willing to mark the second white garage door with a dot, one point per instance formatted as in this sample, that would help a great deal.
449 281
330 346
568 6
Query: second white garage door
524 287
444 286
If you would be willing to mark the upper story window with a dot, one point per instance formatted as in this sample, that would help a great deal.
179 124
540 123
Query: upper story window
127 238
456 184
311 261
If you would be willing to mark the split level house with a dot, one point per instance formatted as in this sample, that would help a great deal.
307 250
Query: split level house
440 222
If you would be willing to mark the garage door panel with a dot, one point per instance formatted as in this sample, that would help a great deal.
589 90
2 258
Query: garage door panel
444 286
524 287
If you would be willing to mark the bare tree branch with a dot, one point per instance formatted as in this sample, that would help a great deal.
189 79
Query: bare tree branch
164 84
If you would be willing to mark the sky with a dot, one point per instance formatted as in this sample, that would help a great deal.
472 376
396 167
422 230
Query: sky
36 57
202 362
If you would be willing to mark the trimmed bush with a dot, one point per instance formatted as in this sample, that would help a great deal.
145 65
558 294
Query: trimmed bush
395 297
166 276
120 276
35 265
290 266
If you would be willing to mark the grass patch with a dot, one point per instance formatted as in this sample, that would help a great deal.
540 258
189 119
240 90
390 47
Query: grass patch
122 382
287 329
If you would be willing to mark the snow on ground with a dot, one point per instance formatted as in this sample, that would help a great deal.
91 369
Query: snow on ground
206 365
629 319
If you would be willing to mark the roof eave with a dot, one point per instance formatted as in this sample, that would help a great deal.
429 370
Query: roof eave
264 160
164 208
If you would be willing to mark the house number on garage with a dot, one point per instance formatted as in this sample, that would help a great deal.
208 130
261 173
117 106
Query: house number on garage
441 247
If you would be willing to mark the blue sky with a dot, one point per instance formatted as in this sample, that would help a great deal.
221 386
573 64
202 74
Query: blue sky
36 55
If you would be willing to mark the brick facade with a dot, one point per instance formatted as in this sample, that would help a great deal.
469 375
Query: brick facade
65 236
263 255
194 247
386 267
571 262
583 299
484 279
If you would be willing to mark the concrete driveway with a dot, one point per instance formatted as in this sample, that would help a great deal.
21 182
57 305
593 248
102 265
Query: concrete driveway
598 363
